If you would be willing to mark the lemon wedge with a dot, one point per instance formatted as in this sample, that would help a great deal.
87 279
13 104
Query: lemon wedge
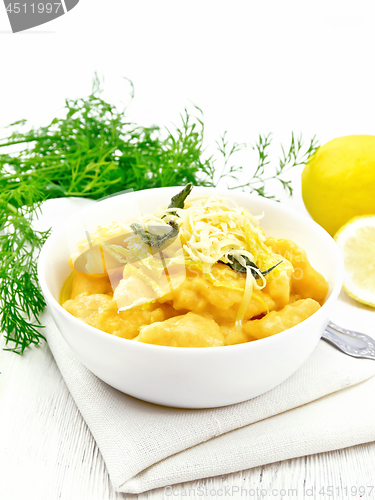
356 240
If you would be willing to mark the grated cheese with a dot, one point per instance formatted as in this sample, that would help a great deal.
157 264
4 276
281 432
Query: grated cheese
213 229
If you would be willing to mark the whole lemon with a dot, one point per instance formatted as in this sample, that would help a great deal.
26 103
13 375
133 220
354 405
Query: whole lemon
338 182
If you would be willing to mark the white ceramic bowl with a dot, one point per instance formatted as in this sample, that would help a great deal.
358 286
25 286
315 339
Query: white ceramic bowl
195 377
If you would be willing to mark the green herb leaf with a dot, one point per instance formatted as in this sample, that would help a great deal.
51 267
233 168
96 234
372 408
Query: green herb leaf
153 239
239 268
178 201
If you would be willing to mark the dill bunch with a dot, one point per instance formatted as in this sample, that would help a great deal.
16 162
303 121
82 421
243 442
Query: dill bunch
93 151
20 297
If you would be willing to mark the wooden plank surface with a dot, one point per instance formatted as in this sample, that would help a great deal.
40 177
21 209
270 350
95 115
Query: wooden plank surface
47 451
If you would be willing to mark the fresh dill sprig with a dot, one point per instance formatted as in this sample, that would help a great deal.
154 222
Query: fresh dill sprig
20 296
93 151
228 170
295 155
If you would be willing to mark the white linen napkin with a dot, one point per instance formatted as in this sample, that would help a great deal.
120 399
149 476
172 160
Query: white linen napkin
327 404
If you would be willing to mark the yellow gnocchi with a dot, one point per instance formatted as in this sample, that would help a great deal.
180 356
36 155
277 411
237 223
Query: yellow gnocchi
238 285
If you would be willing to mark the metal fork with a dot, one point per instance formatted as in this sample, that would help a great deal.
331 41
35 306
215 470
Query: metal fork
352 343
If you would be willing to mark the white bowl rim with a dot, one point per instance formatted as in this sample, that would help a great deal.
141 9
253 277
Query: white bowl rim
245 345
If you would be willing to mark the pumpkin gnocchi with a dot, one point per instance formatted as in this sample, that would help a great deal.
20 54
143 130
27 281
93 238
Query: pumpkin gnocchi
218 279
